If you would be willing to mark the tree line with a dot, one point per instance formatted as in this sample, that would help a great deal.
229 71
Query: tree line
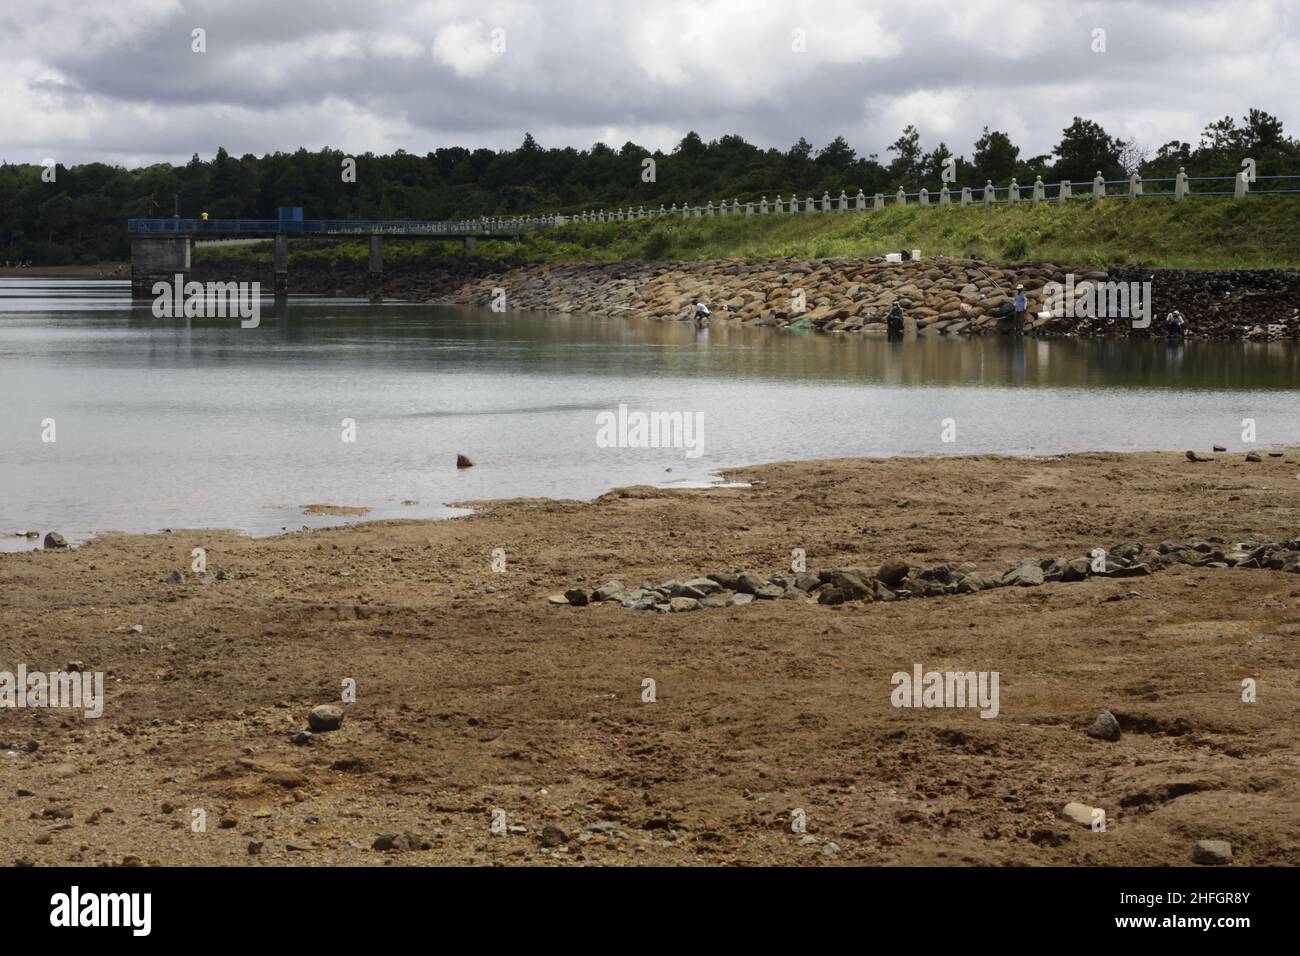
80 216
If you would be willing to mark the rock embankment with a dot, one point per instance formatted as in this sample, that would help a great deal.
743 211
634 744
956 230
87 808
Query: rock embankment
939 296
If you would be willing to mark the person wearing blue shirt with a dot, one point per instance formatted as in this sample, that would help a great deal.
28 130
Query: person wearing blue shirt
1021 305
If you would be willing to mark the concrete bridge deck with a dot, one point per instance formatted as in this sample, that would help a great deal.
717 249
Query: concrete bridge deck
161 248
396 228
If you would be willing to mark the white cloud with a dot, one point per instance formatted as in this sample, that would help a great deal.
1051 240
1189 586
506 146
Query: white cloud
117 79
466 47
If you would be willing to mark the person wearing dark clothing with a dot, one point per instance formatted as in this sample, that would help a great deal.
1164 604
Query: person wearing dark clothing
1175 324
895 321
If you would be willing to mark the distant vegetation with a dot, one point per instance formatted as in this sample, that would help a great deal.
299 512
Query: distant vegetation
80 218
1206 233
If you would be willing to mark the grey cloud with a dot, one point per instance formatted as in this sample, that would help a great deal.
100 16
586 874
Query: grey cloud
115 79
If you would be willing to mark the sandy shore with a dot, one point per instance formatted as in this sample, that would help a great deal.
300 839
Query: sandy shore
474 694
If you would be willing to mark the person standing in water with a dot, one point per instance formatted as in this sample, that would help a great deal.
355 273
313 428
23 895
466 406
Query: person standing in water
894 323
701 314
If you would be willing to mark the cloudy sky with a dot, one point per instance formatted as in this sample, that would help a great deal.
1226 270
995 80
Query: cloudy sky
119 81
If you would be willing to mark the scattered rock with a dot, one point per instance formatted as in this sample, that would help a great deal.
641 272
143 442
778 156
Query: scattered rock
1197 456
1078 813
553 836
576 596
288 779
1212 852
1104 727
464 461
55 540
325 717
609 591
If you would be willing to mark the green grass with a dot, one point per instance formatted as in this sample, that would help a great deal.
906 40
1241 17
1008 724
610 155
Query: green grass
1205 233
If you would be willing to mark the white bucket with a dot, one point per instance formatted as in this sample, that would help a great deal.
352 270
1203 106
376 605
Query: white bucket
916 253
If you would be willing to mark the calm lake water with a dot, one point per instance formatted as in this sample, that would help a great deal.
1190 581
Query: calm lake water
199 423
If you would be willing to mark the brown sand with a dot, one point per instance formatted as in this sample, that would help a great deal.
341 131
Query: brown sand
470 699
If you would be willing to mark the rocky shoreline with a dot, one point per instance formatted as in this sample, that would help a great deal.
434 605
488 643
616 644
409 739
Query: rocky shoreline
940 296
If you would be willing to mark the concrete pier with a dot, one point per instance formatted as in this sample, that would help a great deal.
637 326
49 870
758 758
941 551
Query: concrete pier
281 265
157 258
376 258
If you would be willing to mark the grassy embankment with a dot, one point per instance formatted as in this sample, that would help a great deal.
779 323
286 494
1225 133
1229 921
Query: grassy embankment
1206 233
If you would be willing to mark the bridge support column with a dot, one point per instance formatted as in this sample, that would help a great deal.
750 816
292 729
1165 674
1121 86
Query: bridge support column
470 243
157 258
281 266
376 258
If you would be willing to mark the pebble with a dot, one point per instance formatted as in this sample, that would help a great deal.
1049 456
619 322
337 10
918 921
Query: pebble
1212 852
55 540
326 717
1078 813
553 836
